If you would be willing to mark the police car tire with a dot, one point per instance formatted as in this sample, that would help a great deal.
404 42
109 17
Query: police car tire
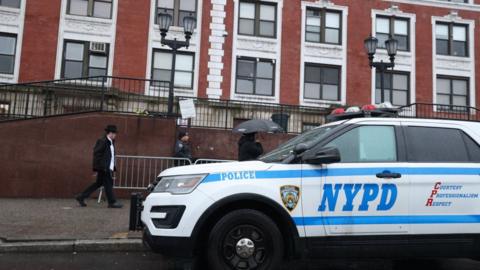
245 217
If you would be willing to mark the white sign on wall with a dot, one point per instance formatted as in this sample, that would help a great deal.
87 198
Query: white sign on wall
187 108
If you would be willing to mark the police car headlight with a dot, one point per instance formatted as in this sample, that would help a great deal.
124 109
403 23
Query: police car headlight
179 184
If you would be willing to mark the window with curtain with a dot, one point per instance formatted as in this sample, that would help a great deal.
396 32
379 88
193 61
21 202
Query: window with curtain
323 26
453 92
255 76
452 39
79 60
322 82
91 8
8 45
395 27
396 88
184 68
257 19
178 9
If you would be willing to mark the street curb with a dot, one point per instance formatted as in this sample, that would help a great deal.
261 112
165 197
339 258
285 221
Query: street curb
100 245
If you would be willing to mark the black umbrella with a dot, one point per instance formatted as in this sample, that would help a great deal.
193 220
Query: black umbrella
257 125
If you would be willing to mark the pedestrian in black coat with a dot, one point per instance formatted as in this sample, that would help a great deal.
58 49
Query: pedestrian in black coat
248 148
182 146
104 166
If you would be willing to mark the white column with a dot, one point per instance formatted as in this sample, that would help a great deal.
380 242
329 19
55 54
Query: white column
216 52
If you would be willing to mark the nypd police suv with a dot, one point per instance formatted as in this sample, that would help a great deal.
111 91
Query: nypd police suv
361 186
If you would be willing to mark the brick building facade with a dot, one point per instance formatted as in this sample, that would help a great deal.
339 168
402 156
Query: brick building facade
294 52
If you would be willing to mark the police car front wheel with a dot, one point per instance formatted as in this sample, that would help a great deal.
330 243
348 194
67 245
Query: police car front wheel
245 239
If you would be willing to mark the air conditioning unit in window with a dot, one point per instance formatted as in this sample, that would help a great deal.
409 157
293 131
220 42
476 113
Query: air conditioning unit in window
98 47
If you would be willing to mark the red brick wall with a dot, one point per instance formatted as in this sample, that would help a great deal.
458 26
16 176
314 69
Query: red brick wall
204 46
52 157
131 44
39 48
291 48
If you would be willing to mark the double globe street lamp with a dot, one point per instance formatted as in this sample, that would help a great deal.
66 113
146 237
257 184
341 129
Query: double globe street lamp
165 21
371 45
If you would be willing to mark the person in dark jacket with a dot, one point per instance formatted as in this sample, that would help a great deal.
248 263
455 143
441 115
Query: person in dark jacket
248 148
182 146
104 166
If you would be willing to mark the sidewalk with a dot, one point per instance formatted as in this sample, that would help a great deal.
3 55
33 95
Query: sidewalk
61 222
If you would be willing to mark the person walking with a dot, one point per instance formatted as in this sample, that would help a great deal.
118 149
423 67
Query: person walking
104 166
248 148
182 146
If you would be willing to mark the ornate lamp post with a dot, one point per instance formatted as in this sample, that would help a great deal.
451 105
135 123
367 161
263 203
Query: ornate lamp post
165 21
391 45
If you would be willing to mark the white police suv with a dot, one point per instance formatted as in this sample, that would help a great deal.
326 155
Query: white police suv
359 187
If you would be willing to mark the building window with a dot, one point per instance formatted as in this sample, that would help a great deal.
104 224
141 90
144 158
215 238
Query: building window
322 82
257 19
84 59
396 88
323 26
8 45
178 9
91 8
454 92
395 27
184 68
452 39
255 76
10 3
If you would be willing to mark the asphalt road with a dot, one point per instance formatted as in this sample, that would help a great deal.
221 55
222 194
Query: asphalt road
149 261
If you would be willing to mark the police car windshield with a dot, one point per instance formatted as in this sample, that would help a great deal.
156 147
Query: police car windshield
310 138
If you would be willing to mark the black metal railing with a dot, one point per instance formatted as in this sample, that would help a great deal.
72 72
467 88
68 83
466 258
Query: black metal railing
149 97
440 111
226 114
79 95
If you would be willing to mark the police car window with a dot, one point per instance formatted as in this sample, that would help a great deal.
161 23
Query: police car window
430 144
311 138
472 148
367 144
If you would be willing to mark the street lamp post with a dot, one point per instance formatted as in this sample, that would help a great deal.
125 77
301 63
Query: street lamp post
165 20
391 45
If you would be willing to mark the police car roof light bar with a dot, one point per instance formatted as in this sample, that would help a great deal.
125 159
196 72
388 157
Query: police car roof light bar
366 111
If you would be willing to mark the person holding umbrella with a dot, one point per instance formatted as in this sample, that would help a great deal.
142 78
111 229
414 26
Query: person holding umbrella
248 147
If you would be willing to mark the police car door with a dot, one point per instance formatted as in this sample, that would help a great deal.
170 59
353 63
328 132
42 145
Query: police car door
365 193
444 160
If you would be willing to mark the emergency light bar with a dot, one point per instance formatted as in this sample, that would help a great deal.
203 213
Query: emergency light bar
383 110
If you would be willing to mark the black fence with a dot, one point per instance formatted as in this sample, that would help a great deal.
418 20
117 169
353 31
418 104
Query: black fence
440 111
149 97
144 97
69 96
226 114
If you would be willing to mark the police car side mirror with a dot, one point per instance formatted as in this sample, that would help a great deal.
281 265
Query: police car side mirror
324 156
300 148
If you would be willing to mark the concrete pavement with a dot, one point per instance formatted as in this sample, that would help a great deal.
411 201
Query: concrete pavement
35 225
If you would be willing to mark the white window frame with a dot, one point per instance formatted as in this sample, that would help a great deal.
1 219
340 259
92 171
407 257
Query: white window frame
330 54
257 48
12 21
405 61
74 27
459 66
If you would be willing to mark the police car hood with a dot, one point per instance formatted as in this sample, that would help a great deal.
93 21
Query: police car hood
217 168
